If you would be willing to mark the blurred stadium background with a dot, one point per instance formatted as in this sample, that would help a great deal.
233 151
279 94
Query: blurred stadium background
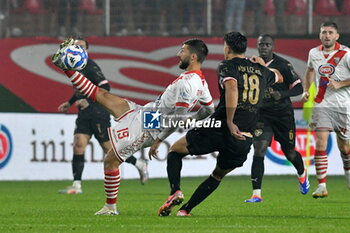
135 43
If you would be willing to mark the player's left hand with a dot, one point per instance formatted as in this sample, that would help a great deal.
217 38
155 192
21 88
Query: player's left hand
334 85
153 151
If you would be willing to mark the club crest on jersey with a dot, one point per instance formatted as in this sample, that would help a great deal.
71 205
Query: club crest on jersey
326 70
5 146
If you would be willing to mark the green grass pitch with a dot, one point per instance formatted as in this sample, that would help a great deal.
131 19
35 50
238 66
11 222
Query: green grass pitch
37 207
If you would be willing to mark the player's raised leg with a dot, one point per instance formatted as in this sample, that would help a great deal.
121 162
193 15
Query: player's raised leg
116 105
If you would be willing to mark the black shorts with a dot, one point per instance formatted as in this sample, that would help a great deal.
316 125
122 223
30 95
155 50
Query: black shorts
91 126
281 126
232 152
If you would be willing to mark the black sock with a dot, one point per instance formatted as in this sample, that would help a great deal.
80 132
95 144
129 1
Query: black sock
174 166
257 171
202 192
78 166
297 161
131 160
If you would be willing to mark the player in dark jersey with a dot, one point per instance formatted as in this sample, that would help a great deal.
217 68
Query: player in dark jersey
92 119
276 119
241 84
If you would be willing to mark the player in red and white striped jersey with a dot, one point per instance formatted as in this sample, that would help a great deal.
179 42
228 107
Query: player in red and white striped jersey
329 66
128 136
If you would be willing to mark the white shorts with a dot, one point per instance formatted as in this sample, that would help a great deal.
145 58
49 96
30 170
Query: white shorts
331 119
127 135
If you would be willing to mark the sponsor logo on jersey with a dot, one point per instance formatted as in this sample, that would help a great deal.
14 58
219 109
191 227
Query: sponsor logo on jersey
275 153
5 146
326 70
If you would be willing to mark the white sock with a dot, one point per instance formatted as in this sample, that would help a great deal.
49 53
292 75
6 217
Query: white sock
322 185
302 175
111 206
138 163
77 184
257 192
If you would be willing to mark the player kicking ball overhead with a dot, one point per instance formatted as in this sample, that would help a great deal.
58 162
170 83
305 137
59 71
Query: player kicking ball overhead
241 84
128 136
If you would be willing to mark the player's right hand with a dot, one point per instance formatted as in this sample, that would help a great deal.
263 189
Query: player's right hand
235 132
305 96
63 107
257 59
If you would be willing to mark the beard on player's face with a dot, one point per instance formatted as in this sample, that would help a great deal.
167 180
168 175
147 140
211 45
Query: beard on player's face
184 63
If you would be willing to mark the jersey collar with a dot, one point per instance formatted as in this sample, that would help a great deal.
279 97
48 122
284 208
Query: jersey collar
337 46
199 72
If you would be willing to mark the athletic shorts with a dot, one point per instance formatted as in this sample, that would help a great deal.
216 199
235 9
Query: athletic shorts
232 152
281 126
127 135
328 118
93 126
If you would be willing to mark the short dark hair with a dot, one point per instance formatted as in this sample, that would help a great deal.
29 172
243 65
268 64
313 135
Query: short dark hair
83 39
330 24
236 41
267 36
198 47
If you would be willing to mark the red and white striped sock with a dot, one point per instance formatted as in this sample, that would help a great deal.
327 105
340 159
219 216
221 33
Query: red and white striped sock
321 163
112 181
84 85
346 161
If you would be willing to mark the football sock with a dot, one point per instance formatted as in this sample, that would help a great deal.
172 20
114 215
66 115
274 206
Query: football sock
84 85
202 192
321 163
296 159
174 166
111 183
77 184
302 177
257 172
131 160
346 161
257 192
78 166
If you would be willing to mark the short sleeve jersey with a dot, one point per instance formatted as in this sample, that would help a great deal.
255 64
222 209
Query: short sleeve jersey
338 71
189 88
252 80
290 78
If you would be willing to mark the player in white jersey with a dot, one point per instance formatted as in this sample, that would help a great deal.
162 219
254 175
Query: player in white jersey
329 66
128 135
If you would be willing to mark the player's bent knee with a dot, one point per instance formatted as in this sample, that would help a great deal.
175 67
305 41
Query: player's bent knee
111 162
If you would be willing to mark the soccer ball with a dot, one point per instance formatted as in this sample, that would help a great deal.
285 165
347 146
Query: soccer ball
75 57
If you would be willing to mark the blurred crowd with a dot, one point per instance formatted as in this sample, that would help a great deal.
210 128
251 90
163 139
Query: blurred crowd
163 17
